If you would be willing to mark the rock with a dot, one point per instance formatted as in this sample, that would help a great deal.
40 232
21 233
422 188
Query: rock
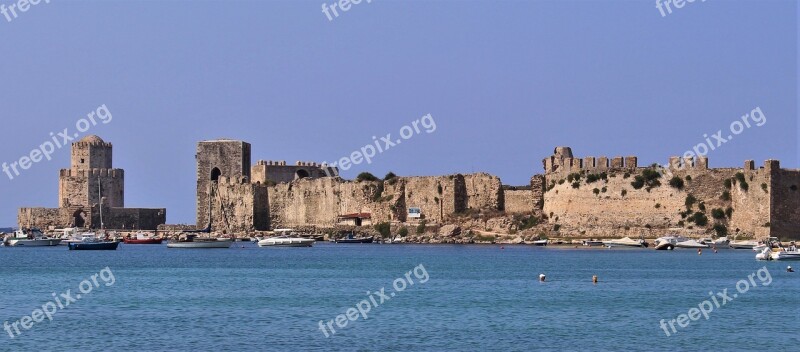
450 230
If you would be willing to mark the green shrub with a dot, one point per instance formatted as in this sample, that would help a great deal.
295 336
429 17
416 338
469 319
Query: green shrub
717 213
726 196
366 176
623 192
676 182
591 178
576 184
604 189
764 187
421 227
596 191
739 177
403 232
690 200
638 182
744 186
626 175
561 181
658 205
727 183
702 206
384 229
721 230
688 177
389 176
556 227
729 212
700 219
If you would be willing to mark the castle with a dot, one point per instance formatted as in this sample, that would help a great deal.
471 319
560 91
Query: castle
91 176
573 197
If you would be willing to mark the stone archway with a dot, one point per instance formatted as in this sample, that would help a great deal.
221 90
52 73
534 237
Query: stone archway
215 174
301 174
78 219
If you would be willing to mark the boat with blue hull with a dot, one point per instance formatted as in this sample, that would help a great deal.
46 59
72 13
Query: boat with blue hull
93 246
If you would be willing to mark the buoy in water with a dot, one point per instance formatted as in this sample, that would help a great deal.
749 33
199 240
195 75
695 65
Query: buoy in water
789 269
541 277
699 251
594 279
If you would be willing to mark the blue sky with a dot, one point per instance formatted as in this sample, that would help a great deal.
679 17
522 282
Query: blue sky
505 81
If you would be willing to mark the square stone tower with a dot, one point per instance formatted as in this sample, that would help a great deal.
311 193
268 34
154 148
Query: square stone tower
91 174
229 159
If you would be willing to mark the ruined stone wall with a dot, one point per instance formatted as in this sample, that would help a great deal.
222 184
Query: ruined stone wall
215 159
785 206
132 218
279 172
79 187
236 206
436 196
484 191
519 201
44 218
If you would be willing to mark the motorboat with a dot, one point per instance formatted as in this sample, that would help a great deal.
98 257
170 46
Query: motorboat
30 238
592 243
286 242
790 253
718 243
90 242
194 241
743 244
351 238
143 238
71 235
625 242
540 243
690 244
668 242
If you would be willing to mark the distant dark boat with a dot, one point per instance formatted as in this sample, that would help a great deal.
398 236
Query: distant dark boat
93 246
352 239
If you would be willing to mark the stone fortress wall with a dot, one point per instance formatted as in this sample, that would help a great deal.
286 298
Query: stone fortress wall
607 206
90 176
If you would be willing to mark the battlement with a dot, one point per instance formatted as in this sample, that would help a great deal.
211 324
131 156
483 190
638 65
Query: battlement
283 163
562 162
112 173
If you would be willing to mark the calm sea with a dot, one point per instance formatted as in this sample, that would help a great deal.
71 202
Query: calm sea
476 298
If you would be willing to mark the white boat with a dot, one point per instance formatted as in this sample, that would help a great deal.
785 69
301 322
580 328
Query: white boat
192 241
790 253
30 238
743 244
592 243
690 244
625 242
285 238
668 242
540 243
286 242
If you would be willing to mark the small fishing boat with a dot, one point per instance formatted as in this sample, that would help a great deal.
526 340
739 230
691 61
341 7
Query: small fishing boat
143 238
30 238
743 244
90 242
351 238
592 243
690 244
540 243
625 242
286 242
668 242
194 241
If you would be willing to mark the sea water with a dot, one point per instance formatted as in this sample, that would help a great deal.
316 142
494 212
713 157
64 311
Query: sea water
475 298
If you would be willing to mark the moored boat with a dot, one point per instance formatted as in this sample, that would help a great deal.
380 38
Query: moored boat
193 241
30 238
352 239
540 243
668 242
743 244
143 238
625 242
90 242
286 242
690 244
592 243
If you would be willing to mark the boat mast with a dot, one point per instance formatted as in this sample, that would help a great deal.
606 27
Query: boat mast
100 202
